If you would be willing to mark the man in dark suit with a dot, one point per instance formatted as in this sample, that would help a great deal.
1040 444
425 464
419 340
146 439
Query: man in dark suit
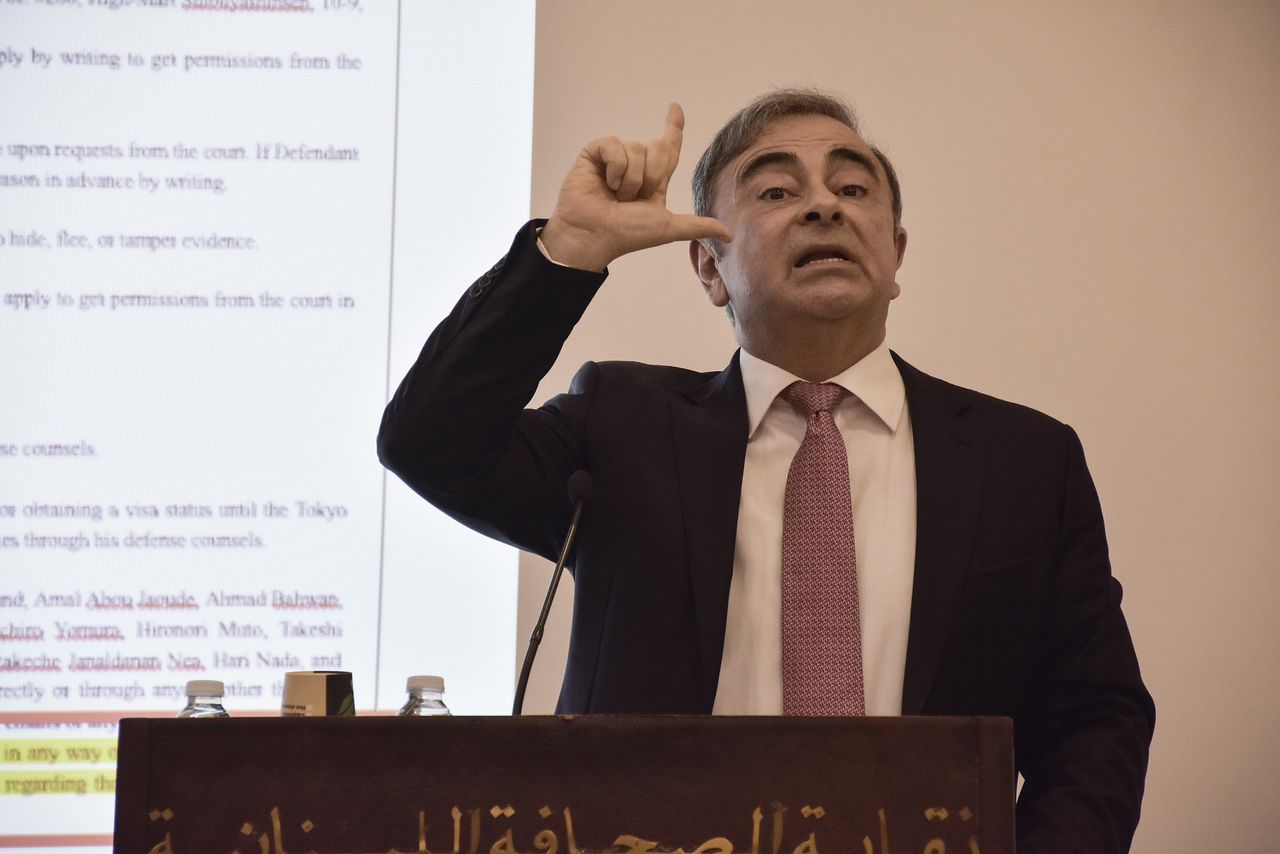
981 583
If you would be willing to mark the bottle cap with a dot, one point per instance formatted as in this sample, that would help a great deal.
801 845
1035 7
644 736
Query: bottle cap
425 683
205 688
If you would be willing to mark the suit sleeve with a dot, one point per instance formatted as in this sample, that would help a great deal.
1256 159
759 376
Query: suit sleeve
457 431
1083 752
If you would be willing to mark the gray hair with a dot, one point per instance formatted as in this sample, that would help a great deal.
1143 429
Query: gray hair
751 121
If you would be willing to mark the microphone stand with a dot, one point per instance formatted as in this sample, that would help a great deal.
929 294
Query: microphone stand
579 492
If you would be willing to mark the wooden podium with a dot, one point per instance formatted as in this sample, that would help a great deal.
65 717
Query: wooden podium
497 785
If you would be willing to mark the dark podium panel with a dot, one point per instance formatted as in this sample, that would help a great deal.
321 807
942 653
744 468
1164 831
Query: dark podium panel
566 784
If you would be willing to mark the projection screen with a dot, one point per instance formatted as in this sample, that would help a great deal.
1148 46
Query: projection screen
229 225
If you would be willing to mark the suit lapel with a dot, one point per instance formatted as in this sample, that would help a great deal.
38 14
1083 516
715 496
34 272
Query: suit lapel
948 488
709 423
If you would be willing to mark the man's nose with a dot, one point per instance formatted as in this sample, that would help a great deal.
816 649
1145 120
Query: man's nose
823 206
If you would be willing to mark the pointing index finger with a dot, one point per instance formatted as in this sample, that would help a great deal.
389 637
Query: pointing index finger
673 132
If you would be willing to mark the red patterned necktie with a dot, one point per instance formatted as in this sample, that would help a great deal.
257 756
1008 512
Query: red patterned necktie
821 628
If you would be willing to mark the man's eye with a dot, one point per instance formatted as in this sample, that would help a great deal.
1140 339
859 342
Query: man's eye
774 194
853 190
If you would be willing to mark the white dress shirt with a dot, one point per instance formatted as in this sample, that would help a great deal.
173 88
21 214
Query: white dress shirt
876 428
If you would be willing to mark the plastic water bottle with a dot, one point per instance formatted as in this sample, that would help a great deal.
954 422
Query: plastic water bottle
204 699
426 697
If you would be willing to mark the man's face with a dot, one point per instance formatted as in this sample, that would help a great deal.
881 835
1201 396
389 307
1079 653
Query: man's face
814 239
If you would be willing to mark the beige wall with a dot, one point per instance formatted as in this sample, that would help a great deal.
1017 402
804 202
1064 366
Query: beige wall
1092 197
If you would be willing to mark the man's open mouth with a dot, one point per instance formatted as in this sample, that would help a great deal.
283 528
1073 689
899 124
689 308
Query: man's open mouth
822 256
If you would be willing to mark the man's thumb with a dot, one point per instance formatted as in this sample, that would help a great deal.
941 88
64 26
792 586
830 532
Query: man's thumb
690 227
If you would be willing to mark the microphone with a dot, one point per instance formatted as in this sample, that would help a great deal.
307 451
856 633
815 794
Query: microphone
579 495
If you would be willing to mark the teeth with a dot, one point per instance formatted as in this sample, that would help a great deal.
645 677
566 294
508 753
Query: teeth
833 260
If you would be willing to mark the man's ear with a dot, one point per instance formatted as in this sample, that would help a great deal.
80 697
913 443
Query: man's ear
900 243
708 271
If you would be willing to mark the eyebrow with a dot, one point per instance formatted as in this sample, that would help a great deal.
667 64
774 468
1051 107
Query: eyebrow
769 158
786 158
852 155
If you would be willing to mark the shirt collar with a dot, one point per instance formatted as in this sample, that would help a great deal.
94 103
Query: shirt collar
874 379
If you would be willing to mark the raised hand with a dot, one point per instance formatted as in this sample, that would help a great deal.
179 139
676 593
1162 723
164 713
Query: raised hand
614 201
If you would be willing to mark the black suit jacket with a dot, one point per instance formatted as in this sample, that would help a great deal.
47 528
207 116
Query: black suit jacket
1014 610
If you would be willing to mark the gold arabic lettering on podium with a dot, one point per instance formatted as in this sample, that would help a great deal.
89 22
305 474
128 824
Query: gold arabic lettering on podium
269 839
